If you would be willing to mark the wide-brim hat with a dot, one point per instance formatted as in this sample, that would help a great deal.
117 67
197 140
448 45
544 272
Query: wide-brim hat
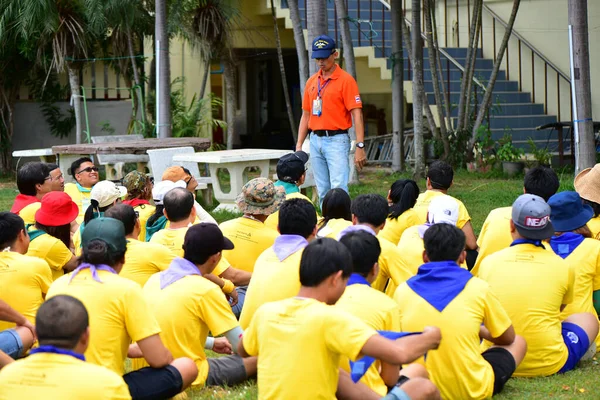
587 184
568 212
260 196
57 209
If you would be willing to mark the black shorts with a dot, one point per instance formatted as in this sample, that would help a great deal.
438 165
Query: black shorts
154 383
503 364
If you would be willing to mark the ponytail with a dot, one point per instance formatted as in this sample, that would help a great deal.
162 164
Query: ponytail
403 194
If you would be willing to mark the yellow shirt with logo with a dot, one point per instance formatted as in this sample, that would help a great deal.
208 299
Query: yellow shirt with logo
42 376
532 283
82 199
250 238
395 227
172 239
143 259
379 312
28 212
333 228
272 220
24 281
457 367
272 280
422 207
118 314
495 234
51 250
186 311
145 212
299 343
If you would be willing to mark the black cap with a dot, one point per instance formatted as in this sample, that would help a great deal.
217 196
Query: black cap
292 166
205 239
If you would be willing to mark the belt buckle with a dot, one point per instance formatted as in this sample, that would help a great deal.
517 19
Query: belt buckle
327 133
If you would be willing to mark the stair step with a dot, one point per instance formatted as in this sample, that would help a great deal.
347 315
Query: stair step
500 86
502 122
498 97
522 135
510 109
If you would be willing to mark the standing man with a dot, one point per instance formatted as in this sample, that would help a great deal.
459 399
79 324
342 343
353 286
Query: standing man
331 100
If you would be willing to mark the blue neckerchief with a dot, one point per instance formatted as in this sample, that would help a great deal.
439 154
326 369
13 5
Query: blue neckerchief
286 245
439 282
56 350
158 225
82 189
566 243
537 243
359 367
179 268
94 269
289 187
356 279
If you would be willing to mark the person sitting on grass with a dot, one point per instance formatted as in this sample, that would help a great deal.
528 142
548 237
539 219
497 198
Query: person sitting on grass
275 274
33 181
440 177
402 197
158 221
139 193
62 326
50 238
119 315
299 341
178 173
188 306
337 214
86 176
534 285
572 242
14 342
142 259
587 184
466 310
495 232
374 308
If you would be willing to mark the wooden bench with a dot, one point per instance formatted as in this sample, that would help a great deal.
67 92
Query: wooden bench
114 163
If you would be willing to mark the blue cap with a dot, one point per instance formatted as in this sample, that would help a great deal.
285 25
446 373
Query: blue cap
323 46
568 211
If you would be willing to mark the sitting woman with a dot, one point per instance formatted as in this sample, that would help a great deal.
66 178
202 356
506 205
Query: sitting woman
86 176
402 197
336 213
50 238
139 192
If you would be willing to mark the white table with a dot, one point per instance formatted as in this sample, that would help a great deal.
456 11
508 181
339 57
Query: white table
236 162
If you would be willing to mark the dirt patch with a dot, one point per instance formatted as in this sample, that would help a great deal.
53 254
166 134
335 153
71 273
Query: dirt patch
8 185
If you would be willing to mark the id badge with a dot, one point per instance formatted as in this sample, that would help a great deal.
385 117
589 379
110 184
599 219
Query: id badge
317 107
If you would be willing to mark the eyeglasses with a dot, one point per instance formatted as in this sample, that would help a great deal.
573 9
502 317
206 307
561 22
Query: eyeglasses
88 169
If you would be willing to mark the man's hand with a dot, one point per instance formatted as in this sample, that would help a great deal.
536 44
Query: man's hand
232 297
29 326
433 335
360 158
298 146
222 346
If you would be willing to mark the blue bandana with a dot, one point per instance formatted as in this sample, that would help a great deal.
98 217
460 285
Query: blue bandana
82 189
537 243
566 243
179 268
356 279
56 350
439 282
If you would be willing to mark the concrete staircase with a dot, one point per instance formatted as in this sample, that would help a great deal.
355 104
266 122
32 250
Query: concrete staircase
512 112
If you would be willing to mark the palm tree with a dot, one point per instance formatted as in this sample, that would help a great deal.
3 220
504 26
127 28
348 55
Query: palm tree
317 25
300 43
163 97
342 12
418 90
397 88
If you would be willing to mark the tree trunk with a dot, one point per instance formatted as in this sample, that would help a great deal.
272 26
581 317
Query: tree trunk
204 78
440 69
286 93
585 148
76 98
7 107
397 89
347 45
231 100
300 43
163 101
317 25
470 72
418 91
487 97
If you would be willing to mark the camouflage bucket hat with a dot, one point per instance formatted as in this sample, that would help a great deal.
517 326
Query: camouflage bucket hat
260 196
135 181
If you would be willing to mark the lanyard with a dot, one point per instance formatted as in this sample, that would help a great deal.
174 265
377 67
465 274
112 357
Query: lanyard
321 88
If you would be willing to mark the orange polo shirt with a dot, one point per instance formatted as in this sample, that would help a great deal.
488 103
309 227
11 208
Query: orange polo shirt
339 94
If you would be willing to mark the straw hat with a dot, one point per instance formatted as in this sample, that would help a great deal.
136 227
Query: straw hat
587 184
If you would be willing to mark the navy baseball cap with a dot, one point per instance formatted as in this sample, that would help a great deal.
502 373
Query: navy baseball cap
323 46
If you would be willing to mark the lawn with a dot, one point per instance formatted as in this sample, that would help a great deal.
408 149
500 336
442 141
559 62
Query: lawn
480 194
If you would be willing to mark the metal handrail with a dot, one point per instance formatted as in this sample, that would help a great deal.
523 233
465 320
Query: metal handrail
526 43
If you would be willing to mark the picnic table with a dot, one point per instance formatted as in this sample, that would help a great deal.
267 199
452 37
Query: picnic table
236 162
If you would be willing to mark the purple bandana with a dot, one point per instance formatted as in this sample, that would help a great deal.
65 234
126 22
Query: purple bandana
286 245
356 228
423 228
94 269
179 268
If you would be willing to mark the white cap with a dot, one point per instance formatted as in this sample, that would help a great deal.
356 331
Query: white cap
161 188
443 209
106 192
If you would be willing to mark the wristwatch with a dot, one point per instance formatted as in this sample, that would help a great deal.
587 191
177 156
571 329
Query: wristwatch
360 145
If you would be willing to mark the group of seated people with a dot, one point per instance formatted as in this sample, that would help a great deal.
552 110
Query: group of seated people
372 298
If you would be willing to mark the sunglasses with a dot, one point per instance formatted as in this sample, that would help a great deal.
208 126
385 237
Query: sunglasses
88 169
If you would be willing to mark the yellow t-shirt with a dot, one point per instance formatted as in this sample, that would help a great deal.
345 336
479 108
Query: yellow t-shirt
53 251
333 228
118 314
394 228
144 259
42 376
272 280
145 212
24 281
299 343
28 212
594 225
457 367
172 239
250 238
495 234
392 268
422 206
186 311
531 284
77 242
360 300
273 219
82 199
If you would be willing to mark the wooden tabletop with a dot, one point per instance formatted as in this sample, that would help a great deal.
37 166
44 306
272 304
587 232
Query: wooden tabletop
231 156
133 147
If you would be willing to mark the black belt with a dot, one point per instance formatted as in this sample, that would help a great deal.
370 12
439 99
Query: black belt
329 132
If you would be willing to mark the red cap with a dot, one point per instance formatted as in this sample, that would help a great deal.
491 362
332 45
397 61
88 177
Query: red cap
57 209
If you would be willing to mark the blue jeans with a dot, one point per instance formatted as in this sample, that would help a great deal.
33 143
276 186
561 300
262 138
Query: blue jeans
329 160
11 344
237 309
